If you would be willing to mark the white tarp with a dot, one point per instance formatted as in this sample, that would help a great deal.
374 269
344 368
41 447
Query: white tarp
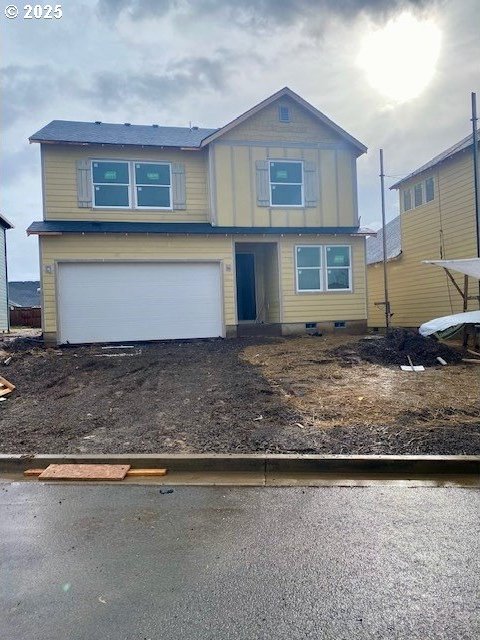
469 266
440 324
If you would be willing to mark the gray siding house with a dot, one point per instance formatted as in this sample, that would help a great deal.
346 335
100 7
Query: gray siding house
4 311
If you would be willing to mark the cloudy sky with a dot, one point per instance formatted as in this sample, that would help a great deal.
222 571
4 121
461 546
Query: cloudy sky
395 74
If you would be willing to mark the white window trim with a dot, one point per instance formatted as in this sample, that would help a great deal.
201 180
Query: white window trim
132 185
422 190
411 190
135 185
121 184
344 246
323 268
319 268
302 185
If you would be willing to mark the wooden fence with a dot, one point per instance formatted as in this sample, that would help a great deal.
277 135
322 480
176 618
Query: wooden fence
25 317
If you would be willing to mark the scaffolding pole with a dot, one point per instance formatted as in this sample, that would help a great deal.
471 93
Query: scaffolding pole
384 240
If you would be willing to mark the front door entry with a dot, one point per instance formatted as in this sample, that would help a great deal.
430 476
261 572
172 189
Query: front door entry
246 295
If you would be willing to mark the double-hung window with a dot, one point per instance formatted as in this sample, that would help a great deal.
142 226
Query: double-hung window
286 183
153 185
111 184
323 268
128 184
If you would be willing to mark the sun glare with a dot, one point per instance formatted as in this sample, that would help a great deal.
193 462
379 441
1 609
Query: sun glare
400 58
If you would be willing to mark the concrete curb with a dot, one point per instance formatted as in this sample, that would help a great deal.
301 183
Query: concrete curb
263 463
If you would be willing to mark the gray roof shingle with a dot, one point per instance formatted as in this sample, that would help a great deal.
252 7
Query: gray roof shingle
455 148
394 242
24 294
133 134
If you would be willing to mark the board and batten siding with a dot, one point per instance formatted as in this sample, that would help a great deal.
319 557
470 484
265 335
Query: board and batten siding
60 184
236 154
446 225
4 324
133 247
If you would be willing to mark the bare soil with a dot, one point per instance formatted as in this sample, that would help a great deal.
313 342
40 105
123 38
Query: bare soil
307 395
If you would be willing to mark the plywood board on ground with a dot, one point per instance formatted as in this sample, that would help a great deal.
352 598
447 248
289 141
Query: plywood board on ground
85 472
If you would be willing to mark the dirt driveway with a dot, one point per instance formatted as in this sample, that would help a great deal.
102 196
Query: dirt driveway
275 395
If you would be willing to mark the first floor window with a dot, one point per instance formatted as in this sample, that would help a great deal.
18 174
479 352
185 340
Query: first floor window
309 268
323 268
286 183
153 185
338 268
111 182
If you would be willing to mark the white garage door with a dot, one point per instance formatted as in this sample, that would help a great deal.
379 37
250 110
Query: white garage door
120 301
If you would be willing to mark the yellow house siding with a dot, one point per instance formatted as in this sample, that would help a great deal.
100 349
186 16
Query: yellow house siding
234 169
60 184
324 306
265 125
442 228
132 247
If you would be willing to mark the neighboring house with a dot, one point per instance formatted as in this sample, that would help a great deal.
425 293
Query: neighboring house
24 293
4 313
437 220
153 232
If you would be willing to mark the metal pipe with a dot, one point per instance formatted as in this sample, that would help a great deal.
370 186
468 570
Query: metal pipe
476 186
384 239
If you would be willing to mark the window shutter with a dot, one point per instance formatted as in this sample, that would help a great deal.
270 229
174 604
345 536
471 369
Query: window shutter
179 195
263 183
311 184
84 184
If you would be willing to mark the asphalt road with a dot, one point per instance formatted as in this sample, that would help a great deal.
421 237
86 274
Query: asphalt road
132 562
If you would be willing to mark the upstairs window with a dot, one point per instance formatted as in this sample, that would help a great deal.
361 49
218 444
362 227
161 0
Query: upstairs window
111 182
286 183
407 200
429 190
283 113
153 185
418 194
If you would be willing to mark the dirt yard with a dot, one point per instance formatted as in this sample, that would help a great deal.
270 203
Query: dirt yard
307 395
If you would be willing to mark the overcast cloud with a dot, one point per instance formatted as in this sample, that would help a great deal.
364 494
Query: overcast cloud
207 61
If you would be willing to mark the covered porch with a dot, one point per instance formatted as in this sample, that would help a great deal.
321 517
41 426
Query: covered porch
257 288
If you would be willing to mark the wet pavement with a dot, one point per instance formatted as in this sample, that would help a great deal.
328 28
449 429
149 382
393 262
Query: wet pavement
133 562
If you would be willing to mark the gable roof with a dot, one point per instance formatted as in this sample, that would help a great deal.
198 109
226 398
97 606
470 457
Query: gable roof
287 92
462 145
394 242
66 131
24 294
71 132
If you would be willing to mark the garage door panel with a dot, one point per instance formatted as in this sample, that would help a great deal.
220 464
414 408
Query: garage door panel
112 302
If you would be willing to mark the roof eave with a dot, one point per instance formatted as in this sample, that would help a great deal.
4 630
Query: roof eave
114 144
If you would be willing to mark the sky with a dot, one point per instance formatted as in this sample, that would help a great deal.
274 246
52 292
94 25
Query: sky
396 74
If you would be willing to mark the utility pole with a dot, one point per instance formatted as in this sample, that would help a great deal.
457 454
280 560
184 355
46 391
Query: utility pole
476 185
384 238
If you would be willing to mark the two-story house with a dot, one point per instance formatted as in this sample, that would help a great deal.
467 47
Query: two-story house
153 232
437 221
